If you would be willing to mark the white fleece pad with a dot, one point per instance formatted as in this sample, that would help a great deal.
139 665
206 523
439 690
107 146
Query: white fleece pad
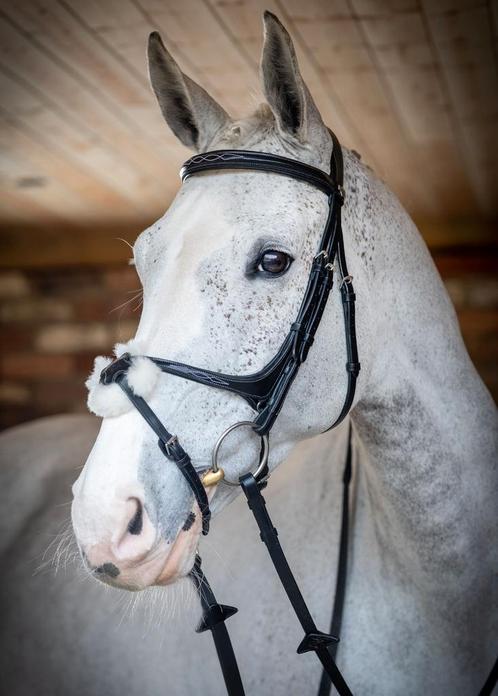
108 400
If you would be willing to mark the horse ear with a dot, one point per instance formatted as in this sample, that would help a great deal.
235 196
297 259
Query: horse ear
284 88
193 116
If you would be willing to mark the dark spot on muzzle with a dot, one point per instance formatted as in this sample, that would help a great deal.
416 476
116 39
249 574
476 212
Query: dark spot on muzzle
189 521
108 569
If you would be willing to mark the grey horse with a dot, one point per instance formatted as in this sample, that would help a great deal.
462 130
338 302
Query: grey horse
420 613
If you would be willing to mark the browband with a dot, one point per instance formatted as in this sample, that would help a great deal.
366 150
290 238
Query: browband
258 161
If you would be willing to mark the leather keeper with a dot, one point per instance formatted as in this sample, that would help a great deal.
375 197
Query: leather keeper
353 367
348 294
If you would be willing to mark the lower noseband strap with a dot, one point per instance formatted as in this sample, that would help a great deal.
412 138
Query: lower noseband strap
168 443
172 450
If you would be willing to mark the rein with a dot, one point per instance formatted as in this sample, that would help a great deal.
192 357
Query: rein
265 391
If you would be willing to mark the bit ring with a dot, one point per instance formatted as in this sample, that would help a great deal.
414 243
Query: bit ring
263 461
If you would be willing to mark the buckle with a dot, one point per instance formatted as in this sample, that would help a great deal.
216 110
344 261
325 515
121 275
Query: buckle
165 446
354 368
322 253
303 340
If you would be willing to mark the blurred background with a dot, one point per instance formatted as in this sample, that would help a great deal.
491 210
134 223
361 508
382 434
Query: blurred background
87 161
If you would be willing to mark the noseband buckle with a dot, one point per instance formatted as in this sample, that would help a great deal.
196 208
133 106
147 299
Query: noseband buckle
166 446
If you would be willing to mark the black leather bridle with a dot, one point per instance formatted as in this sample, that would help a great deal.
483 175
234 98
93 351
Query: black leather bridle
265 391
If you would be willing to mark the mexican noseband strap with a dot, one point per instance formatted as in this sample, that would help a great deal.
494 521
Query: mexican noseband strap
265 391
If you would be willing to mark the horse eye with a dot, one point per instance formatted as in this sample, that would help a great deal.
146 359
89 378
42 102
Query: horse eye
274 262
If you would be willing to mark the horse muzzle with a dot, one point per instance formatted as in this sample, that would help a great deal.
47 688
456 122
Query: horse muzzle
128 551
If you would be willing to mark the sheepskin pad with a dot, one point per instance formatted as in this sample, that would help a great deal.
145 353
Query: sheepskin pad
109 400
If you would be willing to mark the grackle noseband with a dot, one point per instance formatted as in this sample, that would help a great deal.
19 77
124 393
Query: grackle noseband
265 391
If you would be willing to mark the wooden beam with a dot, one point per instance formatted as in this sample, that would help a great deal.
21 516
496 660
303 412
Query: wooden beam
40 125
462 40
460 245
136 156
459 232
29 247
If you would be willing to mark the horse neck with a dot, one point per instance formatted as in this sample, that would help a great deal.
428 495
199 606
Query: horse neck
425 424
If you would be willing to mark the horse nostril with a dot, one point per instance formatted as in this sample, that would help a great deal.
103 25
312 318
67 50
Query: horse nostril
136 523
108 569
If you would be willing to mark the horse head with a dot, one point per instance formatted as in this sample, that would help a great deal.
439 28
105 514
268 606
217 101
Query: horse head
223 275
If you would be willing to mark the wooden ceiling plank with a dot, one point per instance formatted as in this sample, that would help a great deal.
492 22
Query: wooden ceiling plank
401 26
363 97
123 29
24 171
462 40
158 19
26 208
403 54
243 20
71 184
191 27
125 25
122 32
330 101
134 25
142 107
415 88
102 191
62 32
137 159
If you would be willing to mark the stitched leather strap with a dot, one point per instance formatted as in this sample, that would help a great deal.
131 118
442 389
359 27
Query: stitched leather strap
491 681
342 566
213 619
352 363
314 639
248 160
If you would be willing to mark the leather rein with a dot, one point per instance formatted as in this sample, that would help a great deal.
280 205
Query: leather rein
265 391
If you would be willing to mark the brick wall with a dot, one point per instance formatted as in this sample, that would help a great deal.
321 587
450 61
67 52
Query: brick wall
54 321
